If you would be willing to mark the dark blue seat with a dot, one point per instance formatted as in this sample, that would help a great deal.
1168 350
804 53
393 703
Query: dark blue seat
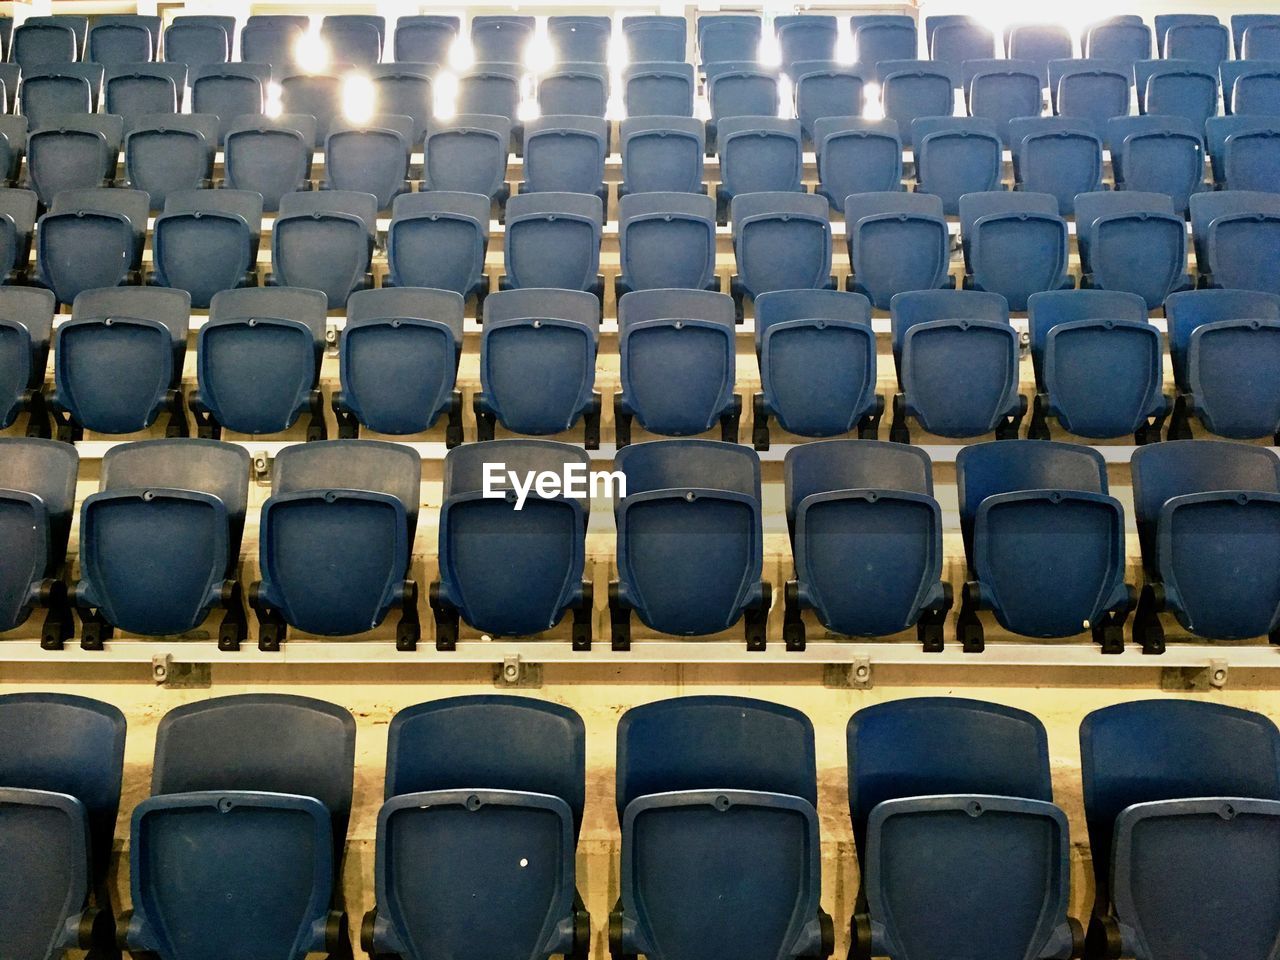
1038 42
1237 239
948 795
565 154
123 38
371 156
91 238
1057 155
323 240
879 37
579 39
1262 42
953 39
17 224
666 240
957 360
740 89
897 242
316 95
1177 88
206 241
398 362
269 155
1245 152
60 778
866 534
1015 244
553 240
180 504
425 38
53 89
1251 87
689 540
164 153
1242 23
1132 241
678 364
491 89
273 39
512 564
781 241
13 146
1223 344
1155 154
1182 800
825 88
655 39
258 361
467 154
239 847
1119 39
199 41
757 155
37 496
405 90
728 37
438 239
662 154
805 36
229 91
955 156
354 38
336 540
1208 515
501 38
538 363
712 792
574 89
658 88
1001 90
26 324
856 156
37 41
133 90
1090 89
477 834
910 89
1202 40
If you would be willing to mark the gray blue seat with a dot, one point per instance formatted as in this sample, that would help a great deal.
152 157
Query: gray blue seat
740 89
1196 36
1250 87
1038 42
1118 38
313 94
1001 90
1155 154
757 155
17 224
370 157
1015 244
805 37
467 154
424 38
229 91
323 240
1262 42
666 240
1237 239
1057 155
1244 151
1090 89
354 37
579 39
91 238
206 241
53 89
273 39
565 154
1177 88
39 40
269 155
954 38
73 151
13 146
825 88
655 39
955 156
1242 23
491 88
438 239
133 90
726 38
574 89
878 37
553 240
1132 241
164 153
26 325
910 89
405 90
897 242
200 40
856 156
662 155
501 38
781 241
658 88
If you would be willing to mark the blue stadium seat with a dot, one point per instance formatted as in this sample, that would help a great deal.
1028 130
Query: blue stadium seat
467 154
1132 241
576 39
538 363
118 362
1094 90
181 505
405 90
1223 344
229 91
274 40
1262 42
13 146
91 238
939 332
122 39
1015 244
916 88
17 224
805 36
371 156
689 541
491 89
61 774
1001 90
1208 514
666 240
398 362
781 241
856 156
168 152
54 89
1182 800
316 95
199 41
678 364
269 155
897 242
336 541
866 534
1245 152
1206 42
575 89
1157 154
354 38
1237 239
1118 39
553 240
38 43
757 155
947 795
1177 88
1242 23
953 39
37 496
425 38
501 39
565 154
258 362
206 241
1038 42
955 156
655 39
727 38
657 88
1057 155
512 566
133 90
438 239
827 89
718 793
26 324
250 796
488 790
323 240
741 89
879 37
1168 21
662 155
1251 87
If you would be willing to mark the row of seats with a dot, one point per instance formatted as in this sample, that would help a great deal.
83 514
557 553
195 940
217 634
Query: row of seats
159 544
239 848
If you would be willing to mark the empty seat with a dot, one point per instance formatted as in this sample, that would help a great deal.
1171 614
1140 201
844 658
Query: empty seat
169 152
949 794
371 156
574 89
269 155
1001 90
503 870
657 89
273 40
425 38
91 238
1242 23
26 323
523 580
1157 154
52 90
746 89
553 240
781 241
199 41
866 535
655 39
354 37
1118 39
229 91
38 41
666 240
1181 803
123 39
916 88
17 224
1091 89
1057 155
955 156
133 90
1015 244
956 38
1262 42
250 796
318 95
1245 152
1177 88
398 362
13 147
336 539
1208 514
1206 42
323 240
757 155
856 156
405 90
565 154
258 361
728 37
817 356
1251 87
501 39
805 36
1169 21
689 540
490 89
438 239
206 241
1237 239
467 154
897 242
1223 344
10 80
662 155
538 363
580 39
1038 42
61 774
1132 241
678 364
880 37
827 89
37 497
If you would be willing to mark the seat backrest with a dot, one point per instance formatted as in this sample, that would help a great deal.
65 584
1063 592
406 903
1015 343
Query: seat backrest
134 205
580 38
671 464
354 37
501 38
285 303
199 40
727 37
45 468
245 204
990 203
1241 23
655 38
172 308
1186 88
925 306
1167 21
575 88
1049 308
1118 39
352 203
372 465
825 466
417 303
315 94
425 38
987 469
